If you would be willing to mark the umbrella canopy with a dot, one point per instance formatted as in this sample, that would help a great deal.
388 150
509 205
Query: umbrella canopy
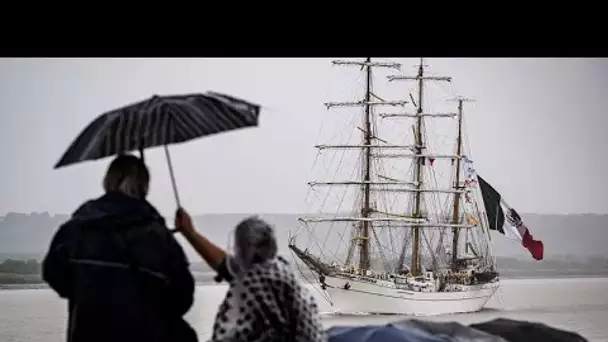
513 330
379 333
451 331
160 121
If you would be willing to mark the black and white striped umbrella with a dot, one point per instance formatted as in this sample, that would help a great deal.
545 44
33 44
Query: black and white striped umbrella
160 121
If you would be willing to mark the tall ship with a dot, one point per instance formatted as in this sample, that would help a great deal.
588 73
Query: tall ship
405 230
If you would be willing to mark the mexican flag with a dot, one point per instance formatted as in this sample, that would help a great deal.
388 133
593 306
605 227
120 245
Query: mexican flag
509 224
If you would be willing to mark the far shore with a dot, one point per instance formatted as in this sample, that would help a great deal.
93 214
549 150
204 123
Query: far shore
34 282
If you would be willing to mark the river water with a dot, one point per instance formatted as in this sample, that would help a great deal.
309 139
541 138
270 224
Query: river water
579 305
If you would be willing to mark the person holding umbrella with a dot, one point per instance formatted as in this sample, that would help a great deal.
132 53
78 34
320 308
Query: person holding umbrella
125 276
123 273
265 301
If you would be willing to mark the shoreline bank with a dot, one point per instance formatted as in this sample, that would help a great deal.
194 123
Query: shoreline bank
207 279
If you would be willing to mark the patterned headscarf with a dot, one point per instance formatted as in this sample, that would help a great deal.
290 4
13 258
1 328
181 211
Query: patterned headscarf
265 301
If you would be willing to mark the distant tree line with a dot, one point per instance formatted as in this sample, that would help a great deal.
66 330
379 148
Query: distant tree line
27 233
30 266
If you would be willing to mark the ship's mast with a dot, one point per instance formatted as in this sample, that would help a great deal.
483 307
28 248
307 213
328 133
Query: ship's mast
419 147
456 208
418 173
367 141
364 219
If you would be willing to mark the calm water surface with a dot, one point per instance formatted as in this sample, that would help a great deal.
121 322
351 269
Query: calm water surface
579 305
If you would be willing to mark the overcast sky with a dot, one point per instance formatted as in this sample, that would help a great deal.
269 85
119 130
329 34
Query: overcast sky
537 130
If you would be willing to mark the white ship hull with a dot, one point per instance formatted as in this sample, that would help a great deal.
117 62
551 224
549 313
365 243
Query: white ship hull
363 297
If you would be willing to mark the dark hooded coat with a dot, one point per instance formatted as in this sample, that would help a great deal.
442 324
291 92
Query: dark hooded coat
124 275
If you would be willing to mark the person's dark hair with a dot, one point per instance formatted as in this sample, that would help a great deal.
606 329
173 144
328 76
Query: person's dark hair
129 175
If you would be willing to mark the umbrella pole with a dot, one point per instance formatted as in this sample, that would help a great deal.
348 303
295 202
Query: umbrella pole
141 155
172 176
